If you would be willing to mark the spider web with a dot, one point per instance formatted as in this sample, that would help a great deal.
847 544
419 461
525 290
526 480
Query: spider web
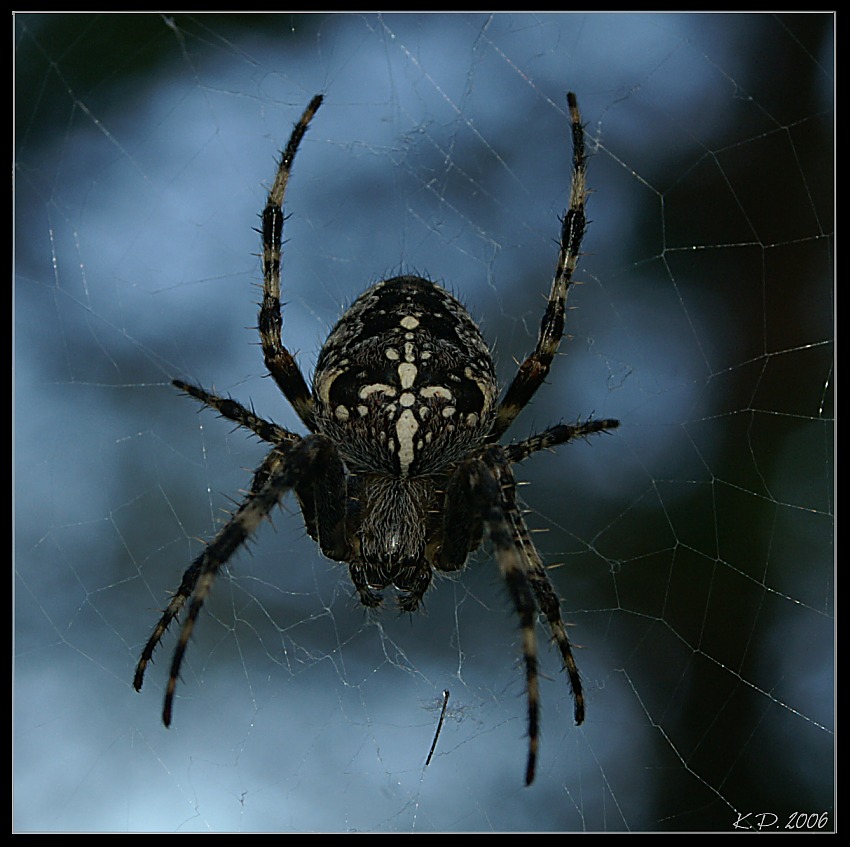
693 547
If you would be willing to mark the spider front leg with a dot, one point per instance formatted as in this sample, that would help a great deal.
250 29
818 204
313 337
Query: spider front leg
488 483
547 600
281 470
213 555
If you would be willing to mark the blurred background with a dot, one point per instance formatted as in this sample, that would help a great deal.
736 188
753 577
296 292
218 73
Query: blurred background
693 548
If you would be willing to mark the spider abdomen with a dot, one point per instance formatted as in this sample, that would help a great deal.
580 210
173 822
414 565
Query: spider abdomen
405 383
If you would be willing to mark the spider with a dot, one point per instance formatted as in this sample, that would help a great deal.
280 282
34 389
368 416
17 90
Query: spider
402 473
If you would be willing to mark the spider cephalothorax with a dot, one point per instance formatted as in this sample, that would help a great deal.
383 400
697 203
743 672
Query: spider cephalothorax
402 474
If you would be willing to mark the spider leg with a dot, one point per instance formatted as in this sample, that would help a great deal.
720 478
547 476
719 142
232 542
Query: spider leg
463 526
279 472
187 586
280 362
192 573
559 434
547 599
236 412
533 370
491 484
